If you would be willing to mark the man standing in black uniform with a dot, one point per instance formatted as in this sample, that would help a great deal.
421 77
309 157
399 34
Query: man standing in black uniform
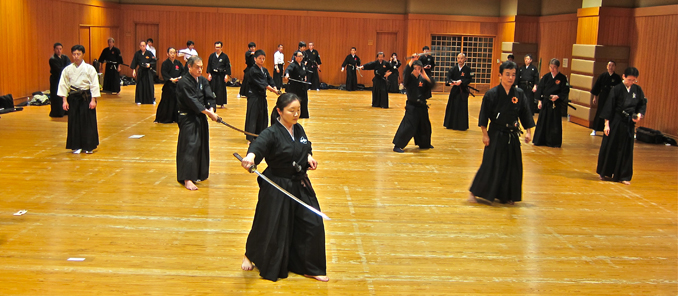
249 61
196 102
416 122
219 71
57 63
314 66
429 63
528 78
111 56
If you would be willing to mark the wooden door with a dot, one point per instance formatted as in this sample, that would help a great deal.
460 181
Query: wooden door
387 43
145 31
85 41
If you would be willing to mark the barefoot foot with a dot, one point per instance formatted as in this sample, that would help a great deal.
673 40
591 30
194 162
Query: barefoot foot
472 198
322 278
626 182
190 185
246 264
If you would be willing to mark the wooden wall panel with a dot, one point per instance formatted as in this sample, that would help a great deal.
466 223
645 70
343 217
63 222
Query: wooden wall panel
333 34
587 30
556 36
654 44
29 28
527 29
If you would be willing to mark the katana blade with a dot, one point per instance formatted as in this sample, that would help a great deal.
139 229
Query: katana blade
220 120
296 80
422 54
253 169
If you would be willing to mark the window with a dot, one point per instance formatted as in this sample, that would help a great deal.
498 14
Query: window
478 52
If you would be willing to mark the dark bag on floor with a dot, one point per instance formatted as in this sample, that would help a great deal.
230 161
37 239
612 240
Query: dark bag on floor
7 102
649 135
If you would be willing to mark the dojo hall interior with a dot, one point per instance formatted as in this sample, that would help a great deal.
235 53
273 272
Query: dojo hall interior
400 224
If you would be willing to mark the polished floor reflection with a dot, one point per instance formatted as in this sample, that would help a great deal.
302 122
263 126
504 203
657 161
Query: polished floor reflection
401 224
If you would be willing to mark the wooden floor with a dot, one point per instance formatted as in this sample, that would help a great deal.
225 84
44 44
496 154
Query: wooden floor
401 224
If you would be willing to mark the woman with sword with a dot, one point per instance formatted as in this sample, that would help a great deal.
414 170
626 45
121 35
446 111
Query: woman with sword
285 236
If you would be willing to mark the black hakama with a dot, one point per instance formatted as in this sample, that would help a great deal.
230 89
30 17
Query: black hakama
379 82
500 175
168 110
415 123
615 159
145 93
219 68
256 117
56 65
350 65
113 59
549 131
278 76
82 122
285 236
601 88
456 113
393 83
245 85
526 78
298 72
193 153
313 63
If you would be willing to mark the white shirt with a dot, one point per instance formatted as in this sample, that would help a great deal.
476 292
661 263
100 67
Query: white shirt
151 49
188 53
278 58
81 77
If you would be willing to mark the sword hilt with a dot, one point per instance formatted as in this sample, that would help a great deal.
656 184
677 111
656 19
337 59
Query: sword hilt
252 168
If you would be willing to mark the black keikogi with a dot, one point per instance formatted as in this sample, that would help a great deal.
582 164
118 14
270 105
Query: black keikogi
56 66
526 78
428 60
601 88
249 61
393 85
299 73
379 82
500 175
350 65
193 152
168 110
113 60
615 159
549 131
313 62
416 121
456 113
219 67
256 118
144 91
285 236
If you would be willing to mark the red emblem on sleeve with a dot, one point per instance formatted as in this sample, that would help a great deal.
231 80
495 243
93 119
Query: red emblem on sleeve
557 81
514 100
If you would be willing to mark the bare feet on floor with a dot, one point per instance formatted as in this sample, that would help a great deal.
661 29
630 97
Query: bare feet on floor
246 264
472 198
626 182
322 278
190 185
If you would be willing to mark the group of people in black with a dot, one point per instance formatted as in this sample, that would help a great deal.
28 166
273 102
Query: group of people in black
287 237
